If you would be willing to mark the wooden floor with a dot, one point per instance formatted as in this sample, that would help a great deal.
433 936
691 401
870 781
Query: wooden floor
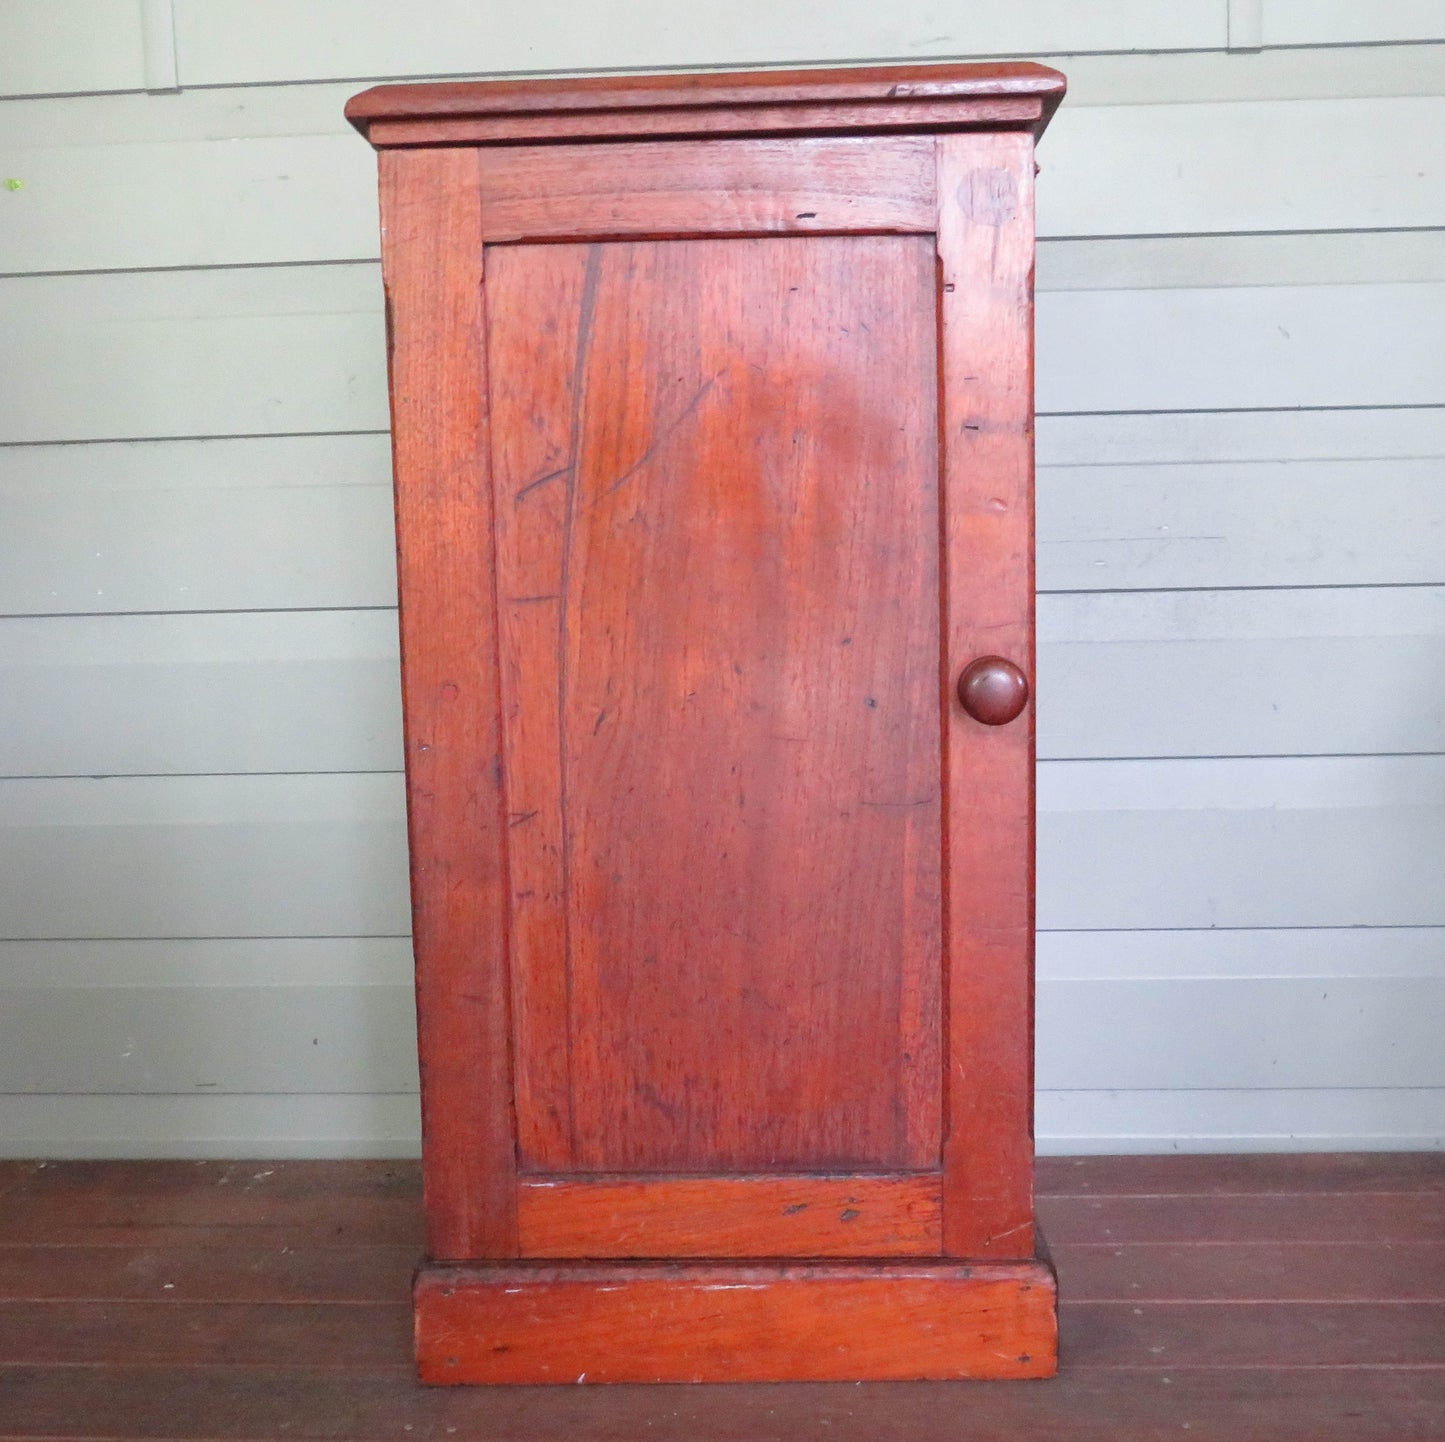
1245 1299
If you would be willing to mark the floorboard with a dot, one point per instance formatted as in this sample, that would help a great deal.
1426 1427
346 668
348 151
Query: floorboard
205 1273
1278 1217
1254 1271
1225 1405
1244 1299
1252 1173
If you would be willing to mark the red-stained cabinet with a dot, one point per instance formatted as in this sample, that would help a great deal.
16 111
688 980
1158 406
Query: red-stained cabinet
712 413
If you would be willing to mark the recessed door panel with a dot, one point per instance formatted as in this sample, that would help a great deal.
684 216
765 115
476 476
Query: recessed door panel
716 475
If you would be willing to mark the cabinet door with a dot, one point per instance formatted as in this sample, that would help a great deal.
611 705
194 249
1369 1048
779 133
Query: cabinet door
713 412
716 485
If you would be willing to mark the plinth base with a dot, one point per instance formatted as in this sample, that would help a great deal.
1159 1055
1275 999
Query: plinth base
735 1321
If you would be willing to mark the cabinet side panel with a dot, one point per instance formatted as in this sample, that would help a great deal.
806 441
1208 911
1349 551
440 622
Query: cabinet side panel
985 245
432 262
723 528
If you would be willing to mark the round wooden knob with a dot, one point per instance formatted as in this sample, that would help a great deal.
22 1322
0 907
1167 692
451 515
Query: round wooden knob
993 690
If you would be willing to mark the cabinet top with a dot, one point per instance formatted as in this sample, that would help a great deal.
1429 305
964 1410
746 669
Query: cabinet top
1016 96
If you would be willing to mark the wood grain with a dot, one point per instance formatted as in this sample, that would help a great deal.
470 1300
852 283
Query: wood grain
218 1190
871 98
1346 1217
532 365
15 1175
211 1267
432 263
1262 1404
717 552
802 1216
985 247
201 1269
817 1323
1021 113
749 501
1140 1272
318 1372
356 1335
77 1218
826 1322
1257 1334
817 185
1265 1172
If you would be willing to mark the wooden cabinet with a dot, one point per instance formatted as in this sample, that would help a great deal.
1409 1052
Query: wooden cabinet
712 413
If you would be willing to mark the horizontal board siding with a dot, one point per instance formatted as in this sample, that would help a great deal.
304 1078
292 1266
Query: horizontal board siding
332 961
1345 22
289 522
218 194
1180 169
1210 438
357 1124
375 1125
1282 1032
197 1039
1241 516
285 522
1304 522
304 691
1250 347
231 42
1314 952
156 1016
192 353
205 856
1122 844
1241 843
1253 673
221 41
190 115
1155 262
1182 78
1252 1119
1369 953
1119 79
1119 675
245 201
300 349
57 46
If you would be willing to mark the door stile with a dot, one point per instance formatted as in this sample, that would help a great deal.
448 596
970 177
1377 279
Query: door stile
985 192
432 265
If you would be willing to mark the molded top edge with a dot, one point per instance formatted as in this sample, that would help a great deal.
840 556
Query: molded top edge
740 91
